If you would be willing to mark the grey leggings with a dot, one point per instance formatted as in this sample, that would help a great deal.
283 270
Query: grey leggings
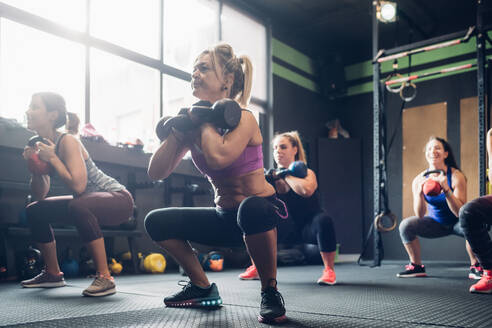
426 227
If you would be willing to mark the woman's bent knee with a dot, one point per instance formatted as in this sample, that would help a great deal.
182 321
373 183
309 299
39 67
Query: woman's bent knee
256 215
407 231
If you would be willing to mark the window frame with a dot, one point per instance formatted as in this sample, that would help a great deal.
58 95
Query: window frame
84 38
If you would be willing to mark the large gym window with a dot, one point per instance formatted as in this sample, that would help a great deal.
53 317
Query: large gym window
132 24
124 98
249 37
71 14
176 93
140 57
190 26
33 61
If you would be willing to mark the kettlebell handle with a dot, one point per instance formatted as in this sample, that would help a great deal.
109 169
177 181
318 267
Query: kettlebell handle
433 171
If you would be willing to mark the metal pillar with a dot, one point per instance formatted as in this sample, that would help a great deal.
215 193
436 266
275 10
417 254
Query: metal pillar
377 256
481 87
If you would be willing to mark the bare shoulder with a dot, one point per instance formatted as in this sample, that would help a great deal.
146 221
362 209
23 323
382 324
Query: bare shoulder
71 145
69 141
458 175
249 123
416 178
248 116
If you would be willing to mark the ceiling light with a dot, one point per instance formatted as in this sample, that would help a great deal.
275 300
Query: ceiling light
386 11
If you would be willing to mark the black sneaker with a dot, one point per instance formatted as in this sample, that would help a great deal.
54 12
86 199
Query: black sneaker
272 308
476 271
194 296
412 270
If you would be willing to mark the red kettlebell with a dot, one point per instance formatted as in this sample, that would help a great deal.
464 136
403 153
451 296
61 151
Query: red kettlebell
431 187
37 166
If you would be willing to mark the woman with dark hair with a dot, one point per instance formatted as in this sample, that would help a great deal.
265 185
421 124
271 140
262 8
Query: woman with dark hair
96 199
246 211
443 208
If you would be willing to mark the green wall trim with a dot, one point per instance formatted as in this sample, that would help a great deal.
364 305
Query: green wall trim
292 57
294 77
364 69
367 86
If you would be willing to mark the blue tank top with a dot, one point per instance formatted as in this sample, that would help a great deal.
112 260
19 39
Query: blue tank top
438 207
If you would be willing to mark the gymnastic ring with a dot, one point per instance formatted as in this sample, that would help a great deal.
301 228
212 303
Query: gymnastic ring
394 90
379 224
412 96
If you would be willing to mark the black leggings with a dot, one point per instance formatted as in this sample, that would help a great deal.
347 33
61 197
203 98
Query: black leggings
474 217
319 230
215 226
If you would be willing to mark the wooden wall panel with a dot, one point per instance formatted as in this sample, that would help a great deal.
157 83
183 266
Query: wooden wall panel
469 145
418 124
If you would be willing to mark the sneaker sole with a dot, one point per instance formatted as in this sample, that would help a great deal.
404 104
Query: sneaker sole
280 319
322 282
46 285
254 278
474 276
481 292
208 302
413 275
107 292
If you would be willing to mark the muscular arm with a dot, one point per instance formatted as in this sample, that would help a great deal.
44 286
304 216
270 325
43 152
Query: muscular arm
167 157
457 198
419 203
304 187
221 151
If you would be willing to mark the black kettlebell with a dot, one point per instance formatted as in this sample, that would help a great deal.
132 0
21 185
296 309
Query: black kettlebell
30 263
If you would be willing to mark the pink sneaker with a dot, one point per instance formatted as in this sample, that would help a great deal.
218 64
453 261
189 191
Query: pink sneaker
484 285
250 274
328 278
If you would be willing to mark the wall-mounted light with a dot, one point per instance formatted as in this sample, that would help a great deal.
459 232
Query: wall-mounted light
386 11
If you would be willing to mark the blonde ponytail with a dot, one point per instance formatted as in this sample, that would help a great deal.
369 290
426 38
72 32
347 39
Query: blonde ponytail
245 95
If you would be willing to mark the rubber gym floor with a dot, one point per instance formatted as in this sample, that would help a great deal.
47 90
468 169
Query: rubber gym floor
362 297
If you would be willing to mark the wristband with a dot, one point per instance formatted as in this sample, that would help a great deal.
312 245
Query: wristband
448 193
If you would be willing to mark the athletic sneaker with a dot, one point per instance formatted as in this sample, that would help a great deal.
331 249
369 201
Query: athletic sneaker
328 278
194 296
101 286
476 271
272 308
250 274
412 270
44 280
484 285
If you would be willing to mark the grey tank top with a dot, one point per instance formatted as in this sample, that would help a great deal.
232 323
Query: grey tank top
97 180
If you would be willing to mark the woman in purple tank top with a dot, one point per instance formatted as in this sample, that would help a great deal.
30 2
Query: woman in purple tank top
246 210
443 208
